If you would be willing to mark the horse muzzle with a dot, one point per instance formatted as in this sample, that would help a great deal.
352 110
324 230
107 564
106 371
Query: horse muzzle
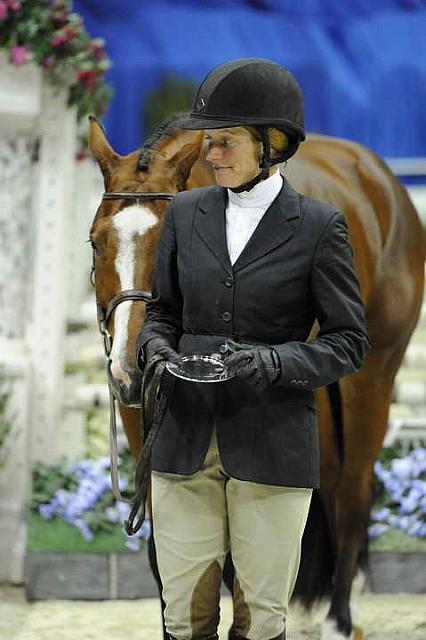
126 393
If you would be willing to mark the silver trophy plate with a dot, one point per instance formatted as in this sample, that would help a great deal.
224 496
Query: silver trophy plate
199 368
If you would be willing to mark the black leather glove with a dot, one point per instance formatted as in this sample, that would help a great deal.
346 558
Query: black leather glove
157 346
257 364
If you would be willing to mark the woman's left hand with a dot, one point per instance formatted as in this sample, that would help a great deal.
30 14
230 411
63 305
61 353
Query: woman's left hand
259 365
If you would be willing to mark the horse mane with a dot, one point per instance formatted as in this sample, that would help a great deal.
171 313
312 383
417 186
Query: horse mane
166 129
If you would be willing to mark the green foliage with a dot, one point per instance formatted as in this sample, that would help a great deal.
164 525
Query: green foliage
57 535
97 432
174 94
48 479
50 35
398 541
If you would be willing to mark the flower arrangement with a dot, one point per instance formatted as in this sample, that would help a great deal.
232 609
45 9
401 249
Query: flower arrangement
80 494
48 33
402 494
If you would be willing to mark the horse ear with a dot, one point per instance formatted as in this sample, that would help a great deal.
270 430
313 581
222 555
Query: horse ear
100 148
184 159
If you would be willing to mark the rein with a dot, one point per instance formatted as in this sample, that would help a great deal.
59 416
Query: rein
155 389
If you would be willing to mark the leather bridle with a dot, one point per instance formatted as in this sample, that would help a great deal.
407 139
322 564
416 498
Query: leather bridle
104 313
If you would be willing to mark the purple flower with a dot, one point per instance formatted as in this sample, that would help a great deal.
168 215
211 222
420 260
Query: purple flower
376 530
380 514
47 511
417 529
18 54
103 463
378 469
419 485
133 544
84 529
62 497
402 468
394 520
419 454
407 506
145 530
112 515
123 509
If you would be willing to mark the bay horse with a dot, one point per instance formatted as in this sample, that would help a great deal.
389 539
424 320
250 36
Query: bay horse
389 251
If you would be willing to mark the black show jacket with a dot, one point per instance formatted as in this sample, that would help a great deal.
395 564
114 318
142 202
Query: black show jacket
296 267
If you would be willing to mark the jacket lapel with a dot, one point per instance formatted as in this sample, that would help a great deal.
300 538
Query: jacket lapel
277 226
210 224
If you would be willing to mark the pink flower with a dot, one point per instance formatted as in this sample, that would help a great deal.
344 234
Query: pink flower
97 46
3 10
18 54
58 40
70 33
64 36
15 5
87 78
47 62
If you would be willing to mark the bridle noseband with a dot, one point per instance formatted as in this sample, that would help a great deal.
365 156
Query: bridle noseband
104 313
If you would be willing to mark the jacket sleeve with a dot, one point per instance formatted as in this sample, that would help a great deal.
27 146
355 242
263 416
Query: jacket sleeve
164 312
342 341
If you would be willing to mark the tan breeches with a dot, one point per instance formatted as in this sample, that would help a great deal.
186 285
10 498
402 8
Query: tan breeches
199 518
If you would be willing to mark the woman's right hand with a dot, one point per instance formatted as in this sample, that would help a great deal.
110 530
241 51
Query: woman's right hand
159 346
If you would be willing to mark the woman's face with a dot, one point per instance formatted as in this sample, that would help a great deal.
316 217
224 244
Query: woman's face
233 154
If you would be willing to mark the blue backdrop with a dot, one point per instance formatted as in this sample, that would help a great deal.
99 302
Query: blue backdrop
361 63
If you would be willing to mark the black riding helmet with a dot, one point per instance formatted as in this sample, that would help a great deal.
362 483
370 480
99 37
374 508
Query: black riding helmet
254 92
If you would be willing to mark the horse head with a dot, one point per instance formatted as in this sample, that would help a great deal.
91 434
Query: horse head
124 236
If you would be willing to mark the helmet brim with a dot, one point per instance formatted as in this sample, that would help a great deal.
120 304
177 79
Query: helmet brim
194 122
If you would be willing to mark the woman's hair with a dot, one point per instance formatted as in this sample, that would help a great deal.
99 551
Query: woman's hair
277 139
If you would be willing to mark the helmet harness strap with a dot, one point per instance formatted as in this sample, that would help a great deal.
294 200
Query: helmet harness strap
265 163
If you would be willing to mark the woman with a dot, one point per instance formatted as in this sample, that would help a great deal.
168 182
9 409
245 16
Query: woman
245 268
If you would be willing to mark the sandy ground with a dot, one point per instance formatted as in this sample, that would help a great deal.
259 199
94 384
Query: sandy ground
383 617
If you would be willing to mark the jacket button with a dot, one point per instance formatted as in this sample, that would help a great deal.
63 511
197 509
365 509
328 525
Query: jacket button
229 282
226 316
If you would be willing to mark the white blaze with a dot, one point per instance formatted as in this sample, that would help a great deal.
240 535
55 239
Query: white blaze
130 223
